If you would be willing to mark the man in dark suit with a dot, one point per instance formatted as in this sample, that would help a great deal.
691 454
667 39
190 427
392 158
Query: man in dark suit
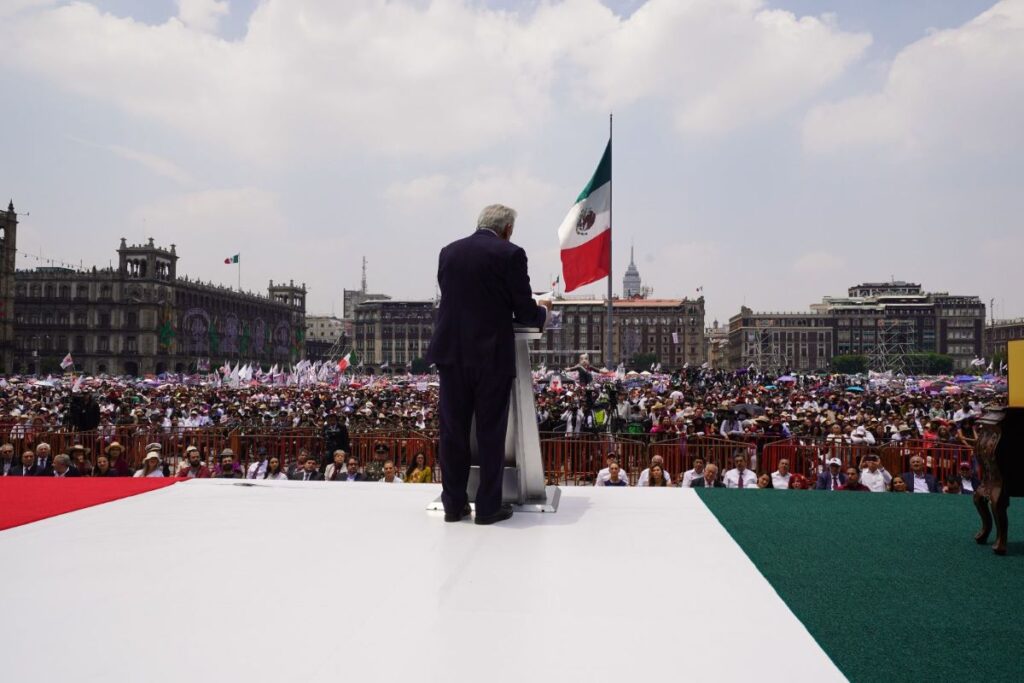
309 471
61 467
485 286
709 480
831 479
918 480
44 458
27 466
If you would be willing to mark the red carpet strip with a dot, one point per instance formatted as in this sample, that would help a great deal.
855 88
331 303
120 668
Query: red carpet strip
29 499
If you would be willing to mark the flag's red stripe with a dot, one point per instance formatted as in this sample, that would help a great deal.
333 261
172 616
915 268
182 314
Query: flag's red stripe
588 262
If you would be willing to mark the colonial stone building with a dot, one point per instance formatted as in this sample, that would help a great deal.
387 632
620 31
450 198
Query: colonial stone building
672 330
390 331
141 318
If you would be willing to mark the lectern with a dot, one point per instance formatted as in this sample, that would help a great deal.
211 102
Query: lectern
524 483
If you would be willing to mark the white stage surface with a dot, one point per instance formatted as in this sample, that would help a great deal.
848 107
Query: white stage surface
293 582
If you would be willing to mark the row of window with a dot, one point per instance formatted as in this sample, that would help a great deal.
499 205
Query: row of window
36 291
59 344
80 318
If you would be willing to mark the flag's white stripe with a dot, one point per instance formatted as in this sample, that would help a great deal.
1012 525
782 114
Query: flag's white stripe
599 201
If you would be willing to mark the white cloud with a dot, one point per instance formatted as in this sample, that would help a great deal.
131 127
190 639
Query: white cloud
816 262
955 91
417 191
156 164
222 219
719 64
202 15
445 77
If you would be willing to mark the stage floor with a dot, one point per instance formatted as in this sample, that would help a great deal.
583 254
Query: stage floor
209 580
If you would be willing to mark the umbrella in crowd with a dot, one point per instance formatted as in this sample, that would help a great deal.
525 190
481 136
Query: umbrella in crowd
748 409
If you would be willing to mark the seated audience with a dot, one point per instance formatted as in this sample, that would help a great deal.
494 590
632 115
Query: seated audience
917 479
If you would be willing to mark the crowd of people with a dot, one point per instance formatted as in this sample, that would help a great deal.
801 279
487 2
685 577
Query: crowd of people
685 406
868 475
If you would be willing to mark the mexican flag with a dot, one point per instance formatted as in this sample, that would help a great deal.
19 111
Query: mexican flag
232 259
67 362
343 363
585 235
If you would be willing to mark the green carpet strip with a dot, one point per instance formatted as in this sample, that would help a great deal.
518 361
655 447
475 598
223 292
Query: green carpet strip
892 586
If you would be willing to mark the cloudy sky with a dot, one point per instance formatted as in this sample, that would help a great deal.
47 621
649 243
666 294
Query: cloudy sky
770 151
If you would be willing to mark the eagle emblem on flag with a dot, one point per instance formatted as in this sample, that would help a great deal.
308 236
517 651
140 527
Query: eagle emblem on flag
585 222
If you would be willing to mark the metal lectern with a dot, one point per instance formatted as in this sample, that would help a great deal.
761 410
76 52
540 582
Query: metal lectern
524 484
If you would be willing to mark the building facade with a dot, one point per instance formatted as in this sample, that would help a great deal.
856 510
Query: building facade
325 337
8 252
884 321
777 342
670 330
141 318
997 334
392 331
716 342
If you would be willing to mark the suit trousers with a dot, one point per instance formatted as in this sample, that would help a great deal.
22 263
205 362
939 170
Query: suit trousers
467 392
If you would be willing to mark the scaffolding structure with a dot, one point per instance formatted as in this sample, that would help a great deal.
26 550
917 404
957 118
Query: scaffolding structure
768 354
893 343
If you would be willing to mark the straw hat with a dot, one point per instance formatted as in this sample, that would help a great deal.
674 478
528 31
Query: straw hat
112 446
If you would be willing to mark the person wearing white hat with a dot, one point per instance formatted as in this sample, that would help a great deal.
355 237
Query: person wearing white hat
151 463
862 436
834 478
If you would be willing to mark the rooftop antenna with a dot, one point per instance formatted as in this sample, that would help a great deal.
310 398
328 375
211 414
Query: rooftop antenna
364 275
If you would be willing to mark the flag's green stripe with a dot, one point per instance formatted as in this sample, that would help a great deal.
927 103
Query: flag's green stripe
892 586
602 175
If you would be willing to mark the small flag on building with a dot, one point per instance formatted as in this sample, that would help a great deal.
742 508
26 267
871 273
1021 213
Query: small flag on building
232 259
343 363
67 362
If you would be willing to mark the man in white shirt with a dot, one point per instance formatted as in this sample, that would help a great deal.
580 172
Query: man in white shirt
740 477
259 467
390 474
781 476
605 474
874 475
696 473
645 476
861 436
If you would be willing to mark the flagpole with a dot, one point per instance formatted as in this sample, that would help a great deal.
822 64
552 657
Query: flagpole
239 262
611 225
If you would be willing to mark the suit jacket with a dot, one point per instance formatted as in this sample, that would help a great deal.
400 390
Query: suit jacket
932 482
72 472
313 476
485 286
825 481
20 471
701 483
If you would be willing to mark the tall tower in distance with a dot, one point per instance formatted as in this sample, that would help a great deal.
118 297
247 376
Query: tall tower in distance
631 285
8 253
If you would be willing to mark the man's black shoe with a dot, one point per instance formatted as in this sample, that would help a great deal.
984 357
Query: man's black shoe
503 513
458 515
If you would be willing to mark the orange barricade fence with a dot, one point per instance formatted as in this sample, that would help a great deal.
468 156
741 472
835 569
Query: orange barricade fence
401 447
679 454
568 458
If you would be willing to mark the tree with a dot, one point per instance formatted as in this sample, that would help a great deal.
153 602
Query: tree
643 361
929 363
419 366
849 365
